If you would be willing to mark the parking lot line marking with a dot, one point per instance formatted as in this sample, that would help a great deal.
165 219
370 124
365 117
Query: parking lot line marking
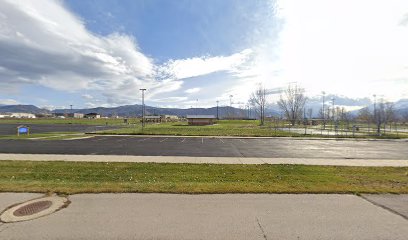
144 139
184 139
221 140
202 140
164 140
121 140
99 139
242 140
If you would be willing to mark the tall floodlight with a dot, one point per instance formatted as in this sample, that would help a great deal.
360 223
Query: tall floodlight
323 114
217 110
333 111
375 111
143 108
231 111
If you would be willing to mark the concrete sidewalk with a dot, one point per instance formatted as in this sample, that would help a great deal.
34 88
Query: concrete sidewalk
222 216
209 160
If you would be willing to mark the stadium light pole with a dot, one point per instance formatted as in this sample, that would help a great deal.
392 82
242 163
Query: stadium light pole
375 112
217 109
231 110
333 111
143 108
324 119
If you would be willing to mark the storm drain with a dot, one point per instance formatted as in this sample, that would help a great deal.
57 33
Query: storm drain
33 209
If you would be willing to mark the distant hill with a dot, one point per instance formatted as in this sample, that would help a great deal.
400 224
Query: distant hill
23 108
136 110
315 104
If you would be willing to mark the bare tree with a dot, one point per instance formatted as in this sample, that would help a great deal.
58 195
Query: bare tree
258 100
292 103
404 117
310 113
364 115
383 113
389 114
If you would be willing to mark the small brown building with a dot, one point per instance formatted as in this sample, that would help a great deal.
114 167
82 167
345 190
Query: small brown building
200 120
154 119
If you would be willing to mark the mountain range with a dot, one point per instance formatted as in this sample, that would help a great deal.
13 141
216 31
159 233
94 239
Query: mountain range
315 104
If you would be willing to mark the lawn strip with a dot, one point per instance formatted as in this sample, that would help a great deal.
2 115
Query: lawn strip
82 177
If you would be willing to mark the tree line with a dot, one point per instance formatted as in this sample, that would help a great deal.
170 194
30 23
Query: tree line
292 103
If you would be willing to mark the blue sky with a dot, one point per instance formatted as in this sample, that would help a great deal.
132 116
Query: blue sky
100 52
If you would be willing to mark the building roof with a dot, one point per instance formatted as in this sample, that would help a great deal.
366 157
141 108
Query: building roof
201 116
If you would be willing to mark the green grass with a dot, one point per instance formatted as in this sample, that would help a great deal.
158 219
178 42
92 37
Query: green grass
222 128
244 128
80 177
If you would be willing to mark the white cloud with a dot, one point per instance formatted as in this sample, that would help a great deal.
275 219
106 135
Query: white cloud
342 46
87 96
345 47
8 102
44 44
192 90
169 100
197 66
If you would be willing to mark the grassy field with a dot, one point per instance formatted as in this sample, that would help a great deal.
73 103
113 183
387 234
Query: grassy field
222 128
245 128
248 128
69 178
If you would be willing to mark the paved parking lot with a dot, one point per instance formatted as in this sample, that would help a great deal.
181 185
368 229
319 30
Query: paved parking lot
213 147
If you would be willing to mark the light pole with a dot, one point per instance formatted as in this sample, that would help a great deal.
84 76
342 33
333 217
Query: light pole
231 110
324 119
143 108
375 113
196 106
333 111
217 109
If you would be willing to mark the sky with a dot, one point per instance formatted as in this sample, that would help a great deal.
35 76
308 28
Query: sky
192 53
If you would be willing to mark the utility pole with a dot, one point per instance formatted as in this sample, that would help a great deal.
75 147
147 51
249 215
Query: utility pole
71 107
375 113
333 111
231 110
324 119
143 108
196 106
217 110
304 118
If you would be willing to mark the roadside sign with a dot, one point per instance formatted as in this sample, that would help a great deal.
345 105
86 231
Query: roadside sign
23 130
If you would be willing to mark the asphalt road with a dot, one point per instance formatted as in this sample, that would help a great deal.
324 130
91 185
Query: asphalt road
224 216
11 129
213 147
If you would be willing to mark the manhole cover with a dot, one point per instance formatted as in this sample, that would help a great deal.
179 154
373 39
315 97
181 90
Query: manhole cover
32 208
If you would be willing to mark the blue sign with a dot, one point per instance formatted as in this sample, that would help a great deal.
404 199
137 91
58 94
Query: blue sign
23 130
